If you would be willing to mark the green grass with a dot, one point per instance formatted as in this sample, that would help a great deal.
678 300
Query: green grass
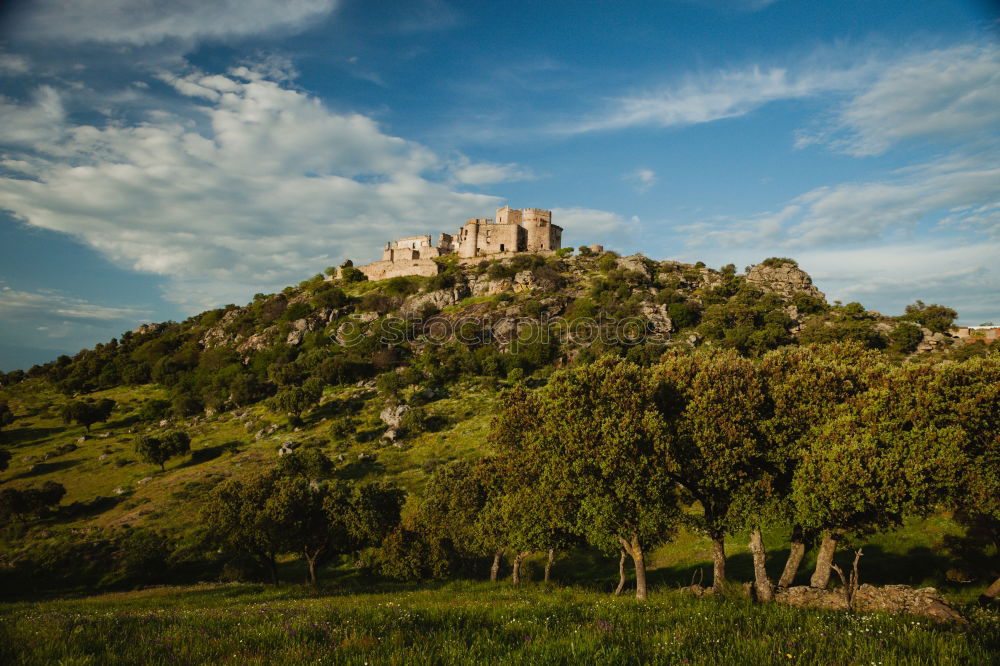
467 623
223 446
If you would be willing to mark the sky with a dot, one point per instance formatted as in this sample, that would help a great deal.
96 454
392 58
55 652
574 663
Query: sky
163 157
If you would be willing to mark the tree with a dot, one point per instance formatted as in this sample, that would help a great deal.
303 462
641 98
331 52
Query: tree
238 519
6 415
967 395
158 450
306 463
296 399
891 451
711 443
533 514
937 318
20 503
805 385
87 413
4 459
450 518
597 439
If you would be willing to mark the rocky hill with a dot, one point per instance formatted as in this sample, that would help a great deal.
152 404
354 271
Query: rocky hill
390 379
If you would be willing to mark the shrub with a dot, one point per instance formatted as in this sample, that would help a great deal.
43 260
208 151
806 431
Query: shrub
905 338
608 262
775 262
351 274
500 271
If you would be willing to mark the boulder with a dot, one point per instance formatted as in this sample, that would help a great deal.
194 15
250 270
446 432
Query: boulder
439 300
926 602
786 280
658 318
287 448
392 416
637 263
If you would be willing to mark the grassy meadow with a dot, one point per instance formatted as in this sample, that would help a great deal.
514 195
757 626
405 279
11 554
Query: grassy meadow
467 623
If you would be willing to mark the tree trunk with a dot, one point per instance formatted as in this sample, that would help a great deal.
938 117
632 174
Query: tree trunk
495 569
797 548
718 561
516 575
824 560
991 592
272 568
762 584
634 549
312 570
621 574
548 564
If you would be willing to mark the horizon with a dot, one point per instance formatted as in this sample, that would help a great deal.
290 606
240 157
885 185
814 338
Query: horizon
160 163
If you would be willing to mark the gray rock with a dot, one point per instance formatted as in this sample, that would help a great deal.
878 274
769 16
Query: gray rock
889 599
393 416
637 263
785 280
287 448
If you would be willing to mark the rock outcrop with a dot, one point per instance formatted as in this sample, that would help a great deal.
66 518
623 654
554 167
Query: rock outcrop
926 602
784 279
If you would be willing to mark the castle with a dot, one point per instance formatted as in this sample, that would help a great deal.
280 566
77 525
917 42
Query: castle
512 231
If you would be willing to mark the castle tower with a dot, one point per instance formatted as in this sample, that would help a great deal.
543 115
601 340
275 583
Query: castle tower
541 233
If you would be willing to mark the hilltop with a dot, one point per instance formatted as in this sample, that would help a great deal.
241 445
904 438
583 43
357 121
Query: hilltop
389 378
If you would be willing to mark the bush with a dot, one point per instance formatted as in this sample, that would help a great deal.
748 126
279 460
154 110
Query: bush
500 271
351 274
401 286
525 262
608 262
328 295
296 311
905 338
775 262
682 315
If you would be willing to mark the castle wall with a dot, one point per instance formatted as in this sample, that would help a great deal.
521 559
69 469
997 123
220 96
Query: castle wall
383 270
525 230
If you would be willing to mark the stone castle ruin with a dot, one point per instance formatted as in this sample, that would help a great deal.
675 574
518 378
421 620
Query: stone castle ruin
512 231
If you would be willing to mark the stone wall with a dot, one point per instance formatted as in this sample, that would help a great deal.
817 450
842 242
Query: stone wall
383 270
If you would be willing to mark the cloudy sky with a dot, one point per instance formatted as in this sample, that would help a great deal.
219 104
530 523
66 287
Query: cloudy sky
162 157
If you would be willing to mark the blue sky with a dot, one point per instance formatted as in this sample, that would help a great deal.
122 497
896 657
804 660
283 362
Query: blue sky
161 158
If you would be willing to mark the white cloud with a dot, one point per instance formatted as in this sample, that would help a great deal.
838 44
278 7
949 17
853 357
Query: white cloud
960 275
27 124
256 187
487 173
960 192
145 22
589 225
14 64
724 94
950 94
52 305
641 179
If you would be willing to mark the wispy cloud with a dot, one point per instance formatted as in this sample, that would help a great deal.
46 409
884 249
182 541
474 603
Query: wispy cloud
960 192
52 305
945 94
466 172
716 96
144 23
641 179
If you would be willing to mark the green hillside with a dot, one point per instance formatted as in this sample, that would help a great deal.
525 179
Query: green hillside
313 367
